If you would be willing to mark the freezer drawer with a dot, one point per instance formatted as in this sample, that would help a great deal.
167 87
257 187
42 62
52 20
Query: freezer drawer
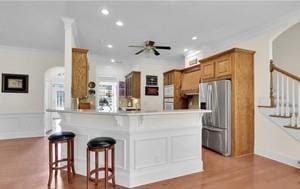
217 139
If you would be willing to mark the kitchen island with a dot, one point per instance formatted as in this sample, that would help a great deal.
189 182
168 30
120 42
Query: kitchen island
151 146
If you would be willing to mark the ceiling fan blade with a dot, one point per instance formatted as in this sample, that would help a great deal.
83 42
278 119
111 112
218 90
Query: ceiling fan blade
136 46
163 47
156 52
139 52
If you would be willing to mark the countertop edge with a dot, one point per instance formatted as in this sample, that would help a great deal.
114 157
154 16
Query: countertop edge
196 111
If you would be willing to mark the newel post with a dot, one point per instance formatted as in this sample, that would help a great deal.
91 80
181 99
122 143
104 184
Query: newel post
271 84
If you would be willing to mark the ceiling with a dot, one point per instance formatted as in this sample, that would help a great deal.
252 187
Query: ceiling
38 24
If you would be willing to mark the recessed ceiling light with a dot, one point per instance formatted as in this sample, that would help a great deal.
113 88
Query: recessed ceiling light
112 60
105 12
119 23
194 38
109 46
185 50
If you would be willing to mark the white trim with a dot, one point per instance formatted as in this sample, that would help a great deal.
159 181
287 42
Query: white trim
21 125
282 158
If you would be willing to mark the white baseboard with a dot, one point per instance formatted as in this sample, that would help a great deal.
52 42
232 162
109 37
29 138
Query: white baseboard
282 158
21 125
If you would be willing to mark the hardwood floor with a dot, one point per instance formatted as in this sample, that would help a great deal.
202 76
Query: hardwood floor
24 165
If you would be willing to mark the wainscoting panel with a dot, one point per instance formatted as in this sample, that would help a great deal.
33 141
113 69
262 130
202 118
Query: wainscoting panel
21 125
150 152
180 152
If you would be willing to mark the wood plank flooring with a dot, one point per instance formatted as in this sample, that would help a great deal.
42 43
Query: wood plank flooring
24 165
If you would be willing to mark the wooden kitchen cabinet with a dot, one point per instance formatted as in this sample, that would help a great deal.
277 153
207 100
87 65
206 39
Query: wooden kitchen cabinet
171 77
207 70
79 73
236 65
133 84
223 66
174 77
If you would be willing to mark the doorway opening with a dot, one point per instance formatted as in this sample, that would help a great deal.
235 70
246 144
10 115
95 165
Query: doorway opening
54 98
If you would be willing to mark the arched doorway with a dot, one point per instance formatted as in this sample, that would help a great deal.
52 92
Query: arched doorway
54 97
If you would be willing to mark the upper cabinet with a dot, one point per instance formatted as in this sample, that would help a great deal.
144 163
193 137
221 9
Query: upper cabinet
208 70
223 66
79 73
190 80
133 84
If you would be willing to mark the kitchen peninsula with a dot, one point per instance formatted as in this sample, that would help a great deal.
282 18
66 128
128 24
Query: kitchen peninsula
151 146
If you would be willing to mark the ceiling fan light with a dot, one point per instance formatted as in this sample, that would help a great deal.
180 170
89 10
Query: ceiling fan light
119 23
105 12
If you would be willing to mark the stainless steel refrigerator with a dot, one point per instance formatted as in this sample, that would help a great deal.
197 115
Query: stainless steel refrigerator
216 133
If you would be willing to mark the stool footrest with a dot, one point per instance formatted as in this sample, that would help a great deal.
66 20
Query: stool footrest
60 161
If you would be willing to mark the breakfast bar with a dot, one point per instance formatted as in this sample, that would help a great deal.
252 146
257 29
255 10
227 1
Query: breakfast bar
151 146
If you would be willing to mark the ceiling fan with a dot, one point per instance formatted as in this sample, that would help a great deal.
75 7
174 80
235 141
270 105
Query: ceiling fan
149 46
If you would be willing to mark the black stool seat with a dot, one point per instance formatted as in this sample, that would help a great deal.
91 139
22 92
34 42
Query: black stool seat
64 135
101 142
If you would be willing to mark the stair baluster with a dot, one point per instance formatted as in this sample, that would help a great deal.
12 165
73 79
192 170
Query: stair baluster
293 118
282 96
287 98
277 94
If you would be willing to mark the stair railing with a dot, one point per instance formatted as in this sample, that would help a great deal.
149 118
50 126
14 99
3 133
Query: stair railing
285 94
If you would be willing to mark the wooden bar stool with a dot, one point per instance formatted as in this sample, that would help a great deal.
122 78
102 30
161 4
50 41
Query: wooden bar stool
60 138
101 144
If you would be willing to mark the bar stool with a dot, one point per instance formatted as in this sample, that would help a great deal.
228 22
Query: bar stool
60 138
101 144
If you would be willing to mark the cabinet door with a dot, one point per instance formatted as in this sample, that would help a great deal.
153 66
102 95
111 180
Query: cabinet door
166 79
207 70
223 66
171 78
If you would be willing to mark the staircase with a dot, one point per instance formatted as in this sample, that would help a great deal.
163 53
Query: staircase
285 101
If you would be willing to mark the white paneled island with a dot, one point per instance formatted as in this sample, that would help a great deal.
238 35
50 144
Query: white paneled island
151 146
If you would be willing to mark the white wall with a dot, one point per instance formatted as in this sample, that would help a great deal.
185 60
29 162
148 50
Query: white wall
154 66
33 63
22 114
270 141
286 50
101 67
147 66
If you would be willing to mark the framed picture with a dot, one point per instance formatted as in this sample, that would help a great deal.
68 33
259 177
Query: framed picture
151 80
151 91
193 62
14 83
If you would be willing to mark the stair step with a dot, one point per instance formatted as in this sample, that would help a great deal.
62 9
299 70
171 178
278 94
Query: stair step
266 106
292 127
280 116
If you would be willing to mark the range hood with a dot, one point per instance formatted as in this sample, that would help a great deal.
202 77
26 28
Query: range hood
190 81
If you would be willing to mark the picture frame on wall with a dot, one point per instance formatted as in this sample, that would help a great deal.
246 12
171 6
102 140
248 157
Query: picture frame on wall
14 83
151 80
151 91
